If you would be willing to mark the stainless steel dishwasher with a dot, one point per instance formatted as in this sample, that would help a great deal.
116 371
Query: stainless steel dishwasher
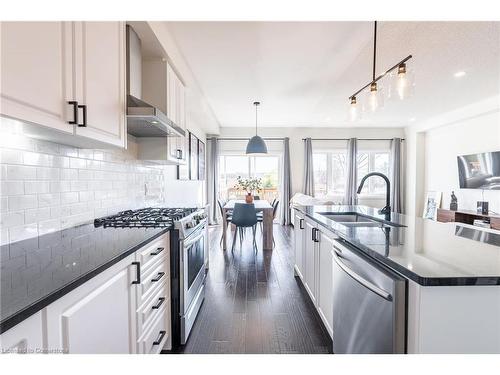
369 305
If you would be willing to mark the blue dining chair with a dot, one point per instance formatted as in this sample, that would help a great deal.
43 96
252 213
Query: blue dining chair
244 216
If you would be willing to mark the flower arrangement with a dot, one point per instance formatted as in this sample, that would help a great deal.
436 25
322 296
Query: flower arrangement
248 184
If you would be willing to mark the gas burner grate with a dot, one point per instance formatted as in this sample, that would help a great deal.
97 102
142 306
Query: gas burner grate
152 217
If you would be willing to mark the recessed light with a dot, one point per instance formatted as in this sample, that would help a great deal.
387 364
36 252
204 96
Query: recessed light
412 119
459 74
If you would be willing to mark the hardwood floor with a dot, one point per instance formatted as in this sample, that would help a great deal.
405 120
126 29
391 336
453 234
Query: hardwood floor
254 304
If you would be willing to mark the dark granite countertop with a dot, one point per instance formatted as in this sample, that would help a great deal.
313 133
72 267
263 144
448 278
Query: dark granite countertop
37 271
427 252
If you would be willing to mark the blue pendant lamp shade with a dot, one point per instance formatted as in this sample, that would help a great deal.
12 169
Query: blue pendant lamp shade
256 144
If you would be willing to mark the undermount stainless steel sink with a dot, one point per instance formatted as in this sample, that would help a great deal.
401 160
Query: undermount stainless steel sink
353 219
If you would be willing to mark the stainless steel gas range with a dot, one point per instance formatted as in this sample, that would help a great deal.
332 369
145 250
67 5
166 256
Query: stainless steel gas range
188 258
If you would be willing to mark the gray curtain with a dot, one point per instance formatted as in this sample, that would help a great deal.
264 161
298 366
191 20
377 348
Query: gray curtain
287 182
395 175
212 179
350 195
308 186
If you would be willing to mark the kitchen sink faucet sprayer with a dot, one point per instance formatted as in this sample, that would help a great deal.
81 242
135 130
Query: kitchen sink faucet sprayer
387 209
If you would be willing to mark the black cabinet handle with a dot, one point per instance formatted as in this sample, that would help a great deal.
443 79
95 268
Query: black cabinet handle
137 272
84 107
301 223
74 103
316 239
157 251
160 302
312 234
158 277
179 154
160 338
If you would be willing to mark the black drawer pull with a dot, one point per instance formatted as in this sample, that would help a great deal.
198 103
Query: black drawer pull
74 103
137 272
179 153
160 302
157 251
301 223
160 338
158 277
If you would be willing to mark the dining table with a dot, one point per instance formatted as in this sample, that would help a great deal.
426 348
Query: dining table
267 222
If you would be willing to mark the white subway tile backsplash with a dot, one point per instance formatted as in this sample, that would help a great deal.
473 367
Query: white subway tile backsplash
43 173
47 186
37 186
20 172
77 163
22 202
68 198
36 215
12 188
11 219
47 200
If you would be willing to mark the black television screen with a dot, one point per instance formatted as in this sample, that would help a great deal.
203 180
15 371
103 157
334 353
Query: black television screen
479 171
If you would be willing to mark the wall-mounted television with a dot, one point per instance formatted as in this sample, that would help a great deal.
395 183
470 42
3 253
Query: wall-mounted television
479 171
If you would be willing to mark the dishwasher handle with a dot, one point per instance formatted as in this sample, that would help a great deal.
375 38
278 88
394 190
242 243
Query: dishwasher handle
368 285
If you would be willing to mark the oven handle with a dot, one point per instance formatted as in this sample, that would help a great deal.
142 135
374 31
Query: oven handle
194 237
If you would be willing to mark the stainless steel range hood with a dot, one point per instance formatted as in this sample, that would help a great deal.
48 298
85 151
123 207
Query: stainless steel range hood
143 119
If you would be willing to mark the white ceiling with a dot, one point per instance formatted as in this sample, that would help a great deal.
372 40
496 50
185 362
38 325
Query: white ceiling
303 72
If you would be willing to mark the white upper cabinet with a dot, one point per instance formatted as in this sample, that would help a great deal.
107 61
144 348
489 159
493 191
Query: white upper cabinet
36 70
100 78
47 66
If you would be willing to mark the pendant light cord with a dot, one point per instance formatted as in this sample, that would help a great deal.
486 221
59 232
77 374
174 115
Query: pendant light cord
256 119
374 49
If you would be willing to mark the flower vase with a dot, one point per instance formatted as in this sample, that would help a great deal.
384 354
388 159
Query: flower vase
249 198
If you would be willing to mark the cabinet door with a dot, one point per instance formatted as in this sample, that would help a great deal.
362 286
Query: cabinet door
299 229
97 317
310 261
36 65
325 280
25 337
100 80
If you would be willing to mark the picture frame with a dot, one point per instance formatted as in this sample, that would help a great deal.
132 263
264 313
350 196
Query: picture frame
201 160
193 157
432 203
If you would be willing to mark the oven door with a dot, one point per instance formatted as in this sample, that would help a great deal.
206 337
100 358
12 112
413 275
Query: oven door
192 267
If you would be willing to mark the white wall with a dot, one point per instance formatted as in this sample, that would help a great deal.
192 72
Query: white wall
434 146
297 145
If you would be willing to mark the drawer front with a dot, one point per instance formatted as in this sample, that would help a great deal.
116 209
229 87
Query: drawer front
152 279
154 339
151 253
155 306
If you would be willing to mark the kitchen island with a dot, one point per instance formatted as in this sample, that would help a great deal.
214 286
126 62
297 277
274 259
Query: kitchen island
452 272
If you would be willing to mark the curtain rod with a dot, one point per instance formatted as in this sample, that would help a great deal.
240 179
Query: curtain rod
346 139
243 139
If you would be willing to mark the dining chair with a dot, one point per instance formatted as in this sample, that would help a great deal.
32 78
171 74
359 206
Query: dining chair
229 213
244 216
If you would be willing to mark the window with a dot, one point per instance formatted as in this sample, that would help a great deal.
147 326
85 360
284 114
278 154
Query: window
265 167
330 168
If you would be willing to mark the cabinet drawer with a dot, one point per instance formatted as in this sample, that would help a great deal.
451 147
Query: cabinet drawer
152 279
152 252
155 306
153 340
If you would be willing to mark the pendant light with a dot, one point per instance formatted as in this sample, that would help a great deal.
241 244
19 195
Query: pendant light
375 97
256 144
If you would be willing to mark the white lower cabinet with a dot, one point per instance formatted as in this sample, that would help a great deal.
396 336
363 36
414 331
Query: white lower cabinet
325 280
310 260
97 317
314 265
299 229
26 337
